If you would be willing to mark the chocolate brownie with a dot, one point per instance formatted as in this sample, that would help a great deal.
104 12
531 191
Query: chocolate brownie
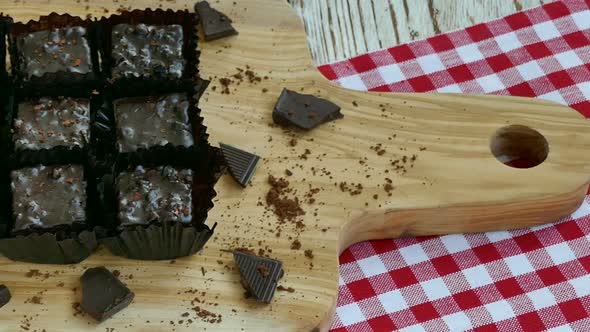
155 194
147 50
144 122
57 50
48 196
47 122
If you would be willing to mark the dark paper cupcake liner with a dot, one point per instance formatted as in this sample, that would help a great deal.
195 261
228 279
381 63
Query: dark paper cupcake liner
163 239
188 21
49 248
168 240
64 244
169 154
60 79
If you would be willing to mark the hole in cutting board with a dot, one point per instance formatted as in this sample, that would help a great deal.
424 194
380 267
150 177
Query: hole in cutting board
519 146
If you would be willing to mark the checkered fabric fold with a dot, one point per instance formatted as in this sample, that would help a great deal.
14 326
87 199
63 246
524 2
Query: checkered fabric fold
534 279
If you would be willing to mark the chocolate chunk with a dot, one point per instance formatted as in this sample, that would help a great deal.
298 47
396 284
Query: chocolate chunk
48 196
216 25
4 295
241 164
144 122
304 111
200 87
103 295
147 50
58 50
259 275
47 122
155 194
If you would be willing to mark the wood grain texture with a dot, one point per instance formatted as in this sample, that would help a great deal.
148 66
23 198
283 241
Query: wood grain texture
454 185
341 29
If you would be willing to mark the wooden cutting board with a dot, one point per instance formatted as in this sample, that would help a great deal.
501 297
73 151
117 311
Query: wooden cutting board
455 184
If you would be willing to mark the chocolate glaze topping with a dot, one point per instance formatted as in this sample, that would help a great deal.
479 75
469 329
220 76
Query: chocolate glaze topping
46 122
143 122
57 50
163 194
147 50
48 196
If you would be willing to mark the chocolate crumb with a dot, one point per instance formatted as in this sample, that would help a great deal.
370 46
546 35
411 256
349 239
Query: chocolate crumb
296 245
285 208
309 253
33 273
263 270
286 289
225 83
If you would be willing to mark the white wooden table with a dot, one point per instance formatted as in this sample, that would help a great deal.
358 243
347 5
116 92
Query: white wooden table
340 29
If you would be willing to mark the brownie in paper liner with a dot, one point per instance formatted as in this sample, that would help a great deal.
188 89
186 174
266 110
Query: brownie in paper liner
57 50
52 210
50 124
153 238
151 123
166 39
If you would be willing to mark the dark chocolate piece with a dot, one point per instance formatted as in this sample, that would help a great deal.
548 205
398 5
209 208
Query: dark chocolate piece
4 295
58 50
48 122
45 197
259 275
144 122
304 111
241 164
216 25
200 87
103 294
147 50
155 194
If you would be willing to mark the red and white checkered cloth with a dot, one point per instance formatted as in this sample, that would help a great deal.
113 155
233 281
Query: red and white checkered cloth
533 279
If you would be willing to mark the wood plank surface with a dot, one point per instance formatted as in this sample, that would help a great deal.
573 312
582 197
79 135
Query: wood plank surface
442 138
341 29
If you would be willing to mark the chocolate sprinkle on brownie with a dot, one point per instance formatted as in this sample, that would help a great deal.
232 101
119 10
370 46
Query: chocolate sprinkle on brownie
304 111
57 50
48 196
144 122
47 122
103 294
147 50
155 194
5 295
216 25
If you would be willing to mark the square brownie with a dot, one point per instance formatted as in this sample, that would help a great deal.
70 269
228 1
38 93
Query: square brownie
48 122
147 51
65 49
144 122
45 197
155 194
